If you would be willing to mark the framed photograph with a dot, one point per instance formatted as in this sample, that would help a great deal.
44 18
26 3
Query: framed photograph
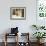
17 13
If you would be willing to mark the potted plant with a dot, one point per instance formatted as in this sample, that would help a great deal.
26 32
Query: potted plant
39 35
42 27
38 27
35 26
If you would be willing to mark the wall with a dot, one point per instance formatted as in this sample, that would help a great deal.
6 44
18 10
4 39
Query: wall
24 25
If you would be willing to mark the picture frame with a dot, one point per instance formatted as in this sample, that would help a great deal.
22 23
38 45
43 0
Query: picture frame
18 13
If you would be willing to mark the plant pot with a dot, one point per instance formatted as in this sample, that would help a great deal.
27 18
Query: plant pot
40 41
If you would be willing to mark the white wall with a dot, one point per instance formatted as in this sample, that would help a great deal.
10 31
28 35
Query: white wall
24 25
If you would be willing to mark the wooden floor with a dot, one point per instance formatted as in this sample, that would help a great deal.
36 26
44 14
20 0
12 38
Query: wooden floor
13 44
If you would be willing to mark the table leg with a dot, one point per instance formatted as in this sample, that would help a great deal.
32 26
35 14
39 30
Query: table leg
5 40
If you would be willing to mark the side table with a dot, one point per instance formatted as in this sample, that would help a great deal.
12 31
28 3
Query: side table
8 34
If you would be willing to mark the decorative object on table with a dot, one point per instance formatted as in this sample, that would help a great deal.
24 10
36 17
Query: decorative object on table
17 13
14 30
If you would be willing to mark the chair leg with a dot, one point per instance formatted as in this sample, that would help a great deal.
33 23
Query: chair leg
5 43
